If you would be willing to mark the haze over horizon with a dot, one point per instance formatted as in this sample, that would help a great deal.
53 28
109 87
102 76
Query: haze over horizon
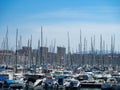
57 17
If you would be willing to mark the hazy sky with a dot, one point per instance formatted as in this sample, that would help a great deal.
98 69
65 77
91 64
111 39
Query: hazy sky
57 17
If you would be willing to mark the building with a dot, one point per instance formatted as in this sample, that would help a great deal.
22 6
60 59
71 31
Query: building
61 54
6 57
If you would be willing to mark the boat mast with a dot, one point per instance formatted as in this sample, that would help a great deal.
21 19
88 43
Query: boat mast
80 49
104 53
69 59
6 46
101 48
42 61
20 47
94 51
20 42
53 56
16 50
28 61
112 48
84 48
31 61
38 54
3 47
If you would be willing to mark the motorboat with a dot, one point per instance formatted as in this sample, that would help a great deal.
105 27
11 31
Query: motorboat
109 84
72 83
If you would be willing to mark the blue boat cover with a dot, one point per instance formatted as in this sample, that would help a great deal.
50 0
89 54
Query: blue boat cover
2 78
10 81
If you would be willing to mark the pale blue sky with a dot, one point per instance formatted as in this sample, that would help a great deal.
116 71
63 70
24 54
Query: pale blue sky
93 17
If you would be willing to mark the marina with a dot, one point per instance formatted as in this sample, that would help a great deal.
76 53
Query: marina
59 45
40 69
58 79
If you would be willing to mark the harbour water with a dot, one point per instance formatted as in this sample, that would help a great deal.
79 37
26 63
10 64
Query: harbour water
80 89
90 89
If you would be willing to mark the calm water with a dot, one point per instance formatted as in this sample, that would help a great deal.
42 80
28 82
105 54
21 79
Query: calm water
90 89
81 89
